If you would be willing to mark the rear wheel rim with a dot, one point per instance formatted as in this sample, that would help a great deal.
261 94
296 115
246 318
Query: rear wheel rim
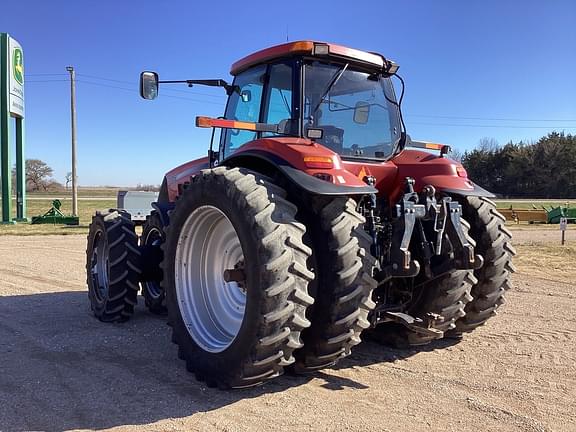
100 267
211 308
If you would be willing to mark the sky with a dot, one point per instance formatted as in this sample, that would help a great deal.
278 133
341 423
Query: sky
498 69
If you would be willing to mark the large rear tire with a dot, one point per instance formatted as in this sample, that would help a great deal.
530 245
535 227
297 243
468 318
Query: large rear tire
234 225
493 242
343 285
112 266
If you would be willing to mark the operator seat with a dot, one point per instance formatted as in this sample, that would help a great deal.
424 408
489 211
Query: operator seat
332 136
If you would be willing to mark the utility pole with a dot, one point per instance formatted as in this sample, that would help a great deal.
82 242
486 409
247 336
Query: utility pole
73 120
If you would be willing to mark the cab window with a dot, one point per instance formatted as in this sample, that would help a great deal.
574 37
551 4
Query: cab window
244 105
278 95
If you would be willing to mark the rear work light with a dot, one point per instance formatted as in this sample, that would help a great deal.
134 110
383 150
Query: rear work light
321 162
320 49
444 148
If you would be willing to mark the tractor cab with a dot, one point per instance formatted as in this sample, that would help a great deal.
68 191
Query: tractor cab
333 95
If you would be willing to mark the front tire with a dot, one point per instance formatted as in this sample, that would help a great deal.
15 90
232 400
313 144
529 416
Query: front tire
112 266
235 224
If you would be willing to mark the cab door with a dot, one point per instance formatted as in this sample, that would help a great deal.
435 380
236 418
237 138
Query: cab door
245 104
264 94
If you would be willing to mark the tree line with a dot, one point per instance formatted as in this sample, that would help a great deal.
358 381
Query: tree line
39 178
542 169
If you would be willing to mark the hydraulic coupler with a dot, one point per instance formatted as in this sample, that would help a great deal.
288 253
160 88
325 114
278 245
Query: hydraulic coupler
443 223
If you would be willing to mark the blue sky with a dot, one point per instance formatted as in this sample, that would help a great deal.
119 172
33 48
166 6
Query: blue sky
467 66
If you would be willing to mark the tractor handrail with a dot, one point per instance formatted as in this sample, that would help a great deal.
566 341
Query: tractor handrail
209 122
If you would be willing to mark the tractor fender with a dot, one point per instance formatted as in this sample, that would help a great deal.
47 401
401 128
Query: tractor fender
453 185
175 178
163 193
443 173
476 191
268 163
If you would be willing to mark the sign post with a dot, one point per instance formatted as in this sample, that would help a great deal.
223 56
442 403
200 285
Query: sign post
12 105
563 226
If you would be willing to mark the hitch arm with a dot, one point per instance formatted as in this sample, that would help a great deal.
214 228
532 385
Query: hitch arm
464 256
400 263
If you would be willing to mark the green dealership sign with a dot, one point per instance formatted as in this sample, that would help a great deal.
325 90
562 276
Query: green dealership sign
12 121
16 78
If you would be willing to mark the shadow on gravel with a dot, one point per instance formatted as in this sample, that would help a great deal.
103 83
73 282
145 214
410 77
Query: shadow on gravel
370 352
62 369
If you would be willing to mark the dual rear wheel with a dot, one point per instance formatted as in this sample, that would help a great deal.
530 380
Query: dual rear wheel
151 242
240 270
112 266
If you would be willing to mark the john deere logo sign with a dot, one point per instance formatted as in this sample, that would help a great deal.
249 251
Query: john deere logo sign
15 71
18 66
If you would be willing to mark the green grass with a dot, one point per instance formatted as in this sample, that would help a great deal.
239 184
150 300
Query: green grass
86 209
109 192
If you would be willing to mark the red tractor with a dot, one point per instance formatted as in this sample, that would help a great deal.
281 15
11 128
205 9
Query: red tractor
313 222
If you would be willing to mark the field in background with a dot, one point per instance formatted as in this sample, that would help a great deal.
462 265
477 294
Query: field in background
529 204
83 192
38 206
92 199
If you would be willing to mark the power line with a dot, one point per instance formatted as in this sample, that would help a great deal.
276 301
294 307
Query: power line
44 74
488 118
107 85
134 83
121 88
107 79
136 91
45 81
492 126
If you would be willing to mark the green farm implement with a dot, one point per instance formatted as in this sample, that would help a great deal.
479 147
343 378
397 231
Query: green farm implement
554 214
55 216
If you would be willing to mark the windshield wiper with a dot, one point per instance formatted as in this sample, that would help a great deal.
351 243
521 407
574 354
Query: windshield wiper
332 83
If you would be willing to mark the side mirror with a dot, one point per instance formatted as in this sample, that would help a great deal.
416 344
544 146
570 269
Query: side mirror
246 95
361 112
149 85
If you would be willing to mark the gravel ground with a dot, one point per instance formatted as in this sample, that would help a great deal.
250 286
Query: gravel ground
61 369
542 235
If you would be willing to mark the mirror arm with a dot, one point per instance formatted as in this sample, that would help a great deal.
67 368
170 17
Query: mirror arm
211 83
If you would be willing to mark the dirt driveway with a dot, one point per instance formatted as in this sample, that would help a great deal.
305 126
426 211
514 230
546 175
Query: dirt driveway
60 369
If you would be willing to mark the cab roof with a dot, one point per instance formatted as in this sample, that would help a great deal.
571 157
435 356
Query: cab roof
313 48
